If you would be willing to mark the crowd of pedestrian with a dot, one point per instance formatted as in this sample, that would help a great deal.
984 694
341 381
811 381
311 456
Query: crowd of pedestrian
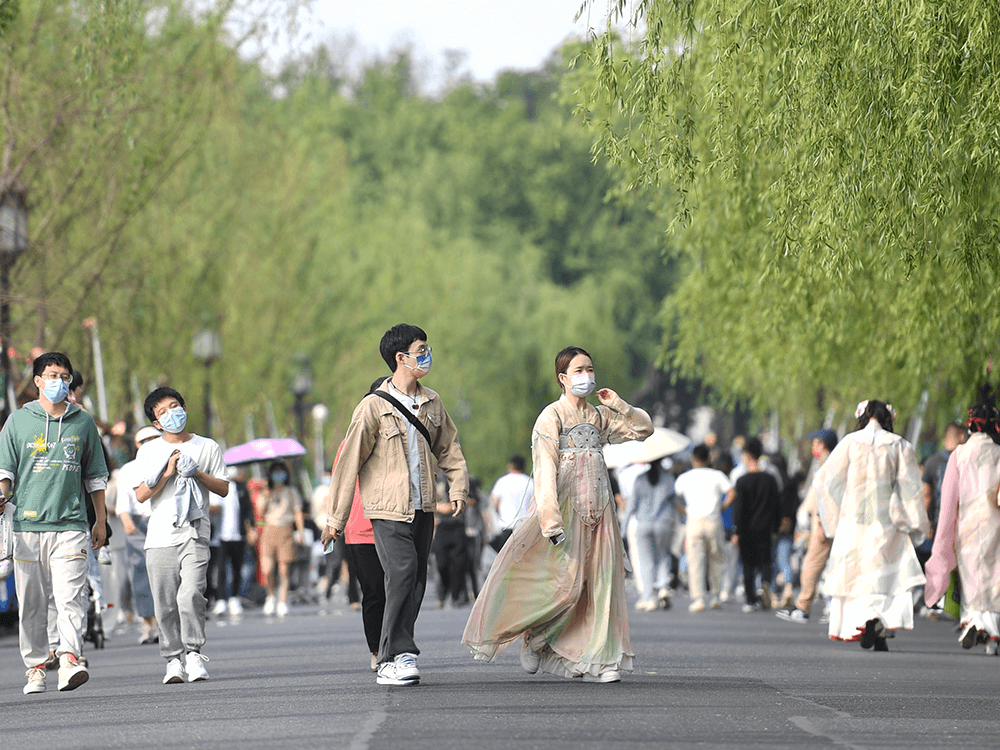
545 559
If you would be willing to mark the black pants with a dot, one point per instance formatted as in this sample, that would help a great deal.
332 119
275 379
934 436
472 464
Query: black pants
755 554
235 554
403 549
371 577
451 552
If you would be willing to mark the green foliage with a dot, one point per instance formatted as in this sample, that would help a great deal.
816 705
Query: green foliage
307 214
829 167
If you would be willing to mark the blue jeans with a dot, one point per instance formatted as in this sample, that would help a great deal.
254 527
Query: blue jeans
783 556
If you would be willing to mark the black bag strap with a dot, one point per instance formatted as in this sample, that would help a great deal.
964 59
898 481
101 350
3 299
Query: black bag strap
406 413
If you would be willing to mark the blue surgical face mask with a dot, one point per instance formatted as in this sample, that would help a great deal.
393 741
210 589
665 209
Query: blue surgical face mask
56 390
279 477
174 420
424 362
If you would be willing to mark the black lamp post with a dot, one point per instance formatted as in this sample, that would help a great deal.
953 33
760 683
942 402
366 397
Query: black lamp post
13 242
302 383
207 348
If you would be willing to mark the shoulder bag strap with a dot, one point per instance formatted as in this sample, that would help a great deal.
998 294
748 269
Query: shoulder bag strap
405 412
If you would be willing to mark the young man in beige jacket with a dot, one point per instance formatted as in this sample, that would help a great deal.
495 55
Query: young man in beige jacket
390 457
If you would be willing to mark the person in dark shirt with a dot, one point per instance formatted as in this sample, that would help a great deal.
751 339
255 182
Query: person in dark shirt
757 512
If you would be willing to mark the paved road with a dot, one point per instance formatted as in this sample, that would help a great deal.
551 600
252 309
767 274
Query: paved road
716 680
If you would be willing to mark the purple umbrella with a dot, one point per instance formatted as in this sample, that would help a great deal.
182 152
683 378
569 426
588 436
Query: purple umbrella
264 449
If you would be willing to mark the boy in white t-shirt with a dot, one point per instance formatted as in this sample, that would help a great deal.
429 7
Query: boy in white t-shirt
178 471
702 490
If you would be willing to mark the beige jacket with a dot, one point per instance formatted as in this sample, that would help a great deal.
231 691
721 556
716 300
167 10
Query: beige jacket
375 452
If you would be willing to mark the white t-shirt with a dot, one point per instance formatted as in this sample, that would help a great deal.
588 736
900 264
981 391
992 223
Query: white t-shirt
412 447
702 491
128 480
152 455
229 522
515 491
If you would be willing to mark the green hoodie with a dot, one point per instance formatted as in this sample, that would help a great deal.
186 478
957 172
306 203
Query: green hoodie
50 458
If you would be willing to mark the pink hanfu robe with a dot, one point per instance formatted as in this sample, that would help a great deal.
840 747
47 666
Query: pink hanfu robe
968 534
567 601
870 502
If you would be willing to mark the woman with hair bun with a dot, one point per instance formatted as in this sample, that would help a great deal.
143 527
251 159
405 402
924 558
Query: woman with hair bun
870 503
558 584
968 536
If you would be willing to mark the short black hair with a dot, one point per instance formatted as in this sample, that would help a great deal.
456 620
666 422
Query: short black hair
398 339
702 453
50 358
518 462
376 384
76 381
753 448
160 394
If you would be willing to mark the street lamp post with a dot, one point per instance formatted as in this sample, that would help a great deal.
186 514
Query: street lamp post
320 413
13 242
302 383
207 348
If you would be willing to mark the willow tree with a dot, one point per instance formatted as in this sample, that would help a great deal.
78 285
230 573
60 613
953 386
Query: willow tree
830 168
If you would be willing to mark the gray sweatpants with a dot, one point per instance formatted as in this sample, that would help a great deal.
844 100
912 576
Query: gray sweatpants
177 578
403 549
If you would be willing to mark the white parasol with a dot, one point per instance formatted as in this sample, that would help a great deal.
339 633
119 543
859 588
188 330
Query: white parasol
663 442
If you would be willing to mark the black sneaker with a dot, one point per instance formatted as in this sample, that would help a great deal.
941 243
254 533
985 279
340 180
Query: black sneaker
793 614
870 636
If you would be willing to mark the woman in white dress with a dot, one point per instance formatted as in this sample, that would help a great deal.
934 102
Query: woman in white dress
870 503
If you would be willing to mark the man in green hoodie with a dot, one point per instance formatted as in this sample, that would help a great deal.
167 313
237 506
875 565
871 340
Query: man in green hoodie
51 455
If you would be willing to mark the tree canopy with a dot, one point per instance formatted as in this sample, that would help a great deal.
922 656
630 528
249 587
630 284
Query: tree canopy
306 213
830 170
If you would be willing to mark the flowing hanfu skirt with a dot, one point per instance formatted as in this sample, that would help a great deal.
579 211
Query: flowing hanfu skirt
567 600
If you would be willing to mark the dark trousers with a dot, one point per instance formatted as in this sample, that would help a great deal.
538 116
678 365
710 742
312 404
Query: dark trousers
755 554
403 549
234 553
451 553
334 562
364 559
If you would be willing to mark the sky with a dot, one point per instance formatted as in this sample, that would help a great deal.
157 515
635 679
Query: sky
494 35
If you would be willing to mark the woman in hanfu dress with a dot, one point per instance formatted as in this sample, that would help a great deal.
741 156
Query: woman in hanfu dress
558 584
968 533
869 497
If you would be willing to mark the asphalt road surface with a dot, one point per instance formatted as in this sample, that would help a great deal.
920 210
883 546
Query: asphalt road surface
719 679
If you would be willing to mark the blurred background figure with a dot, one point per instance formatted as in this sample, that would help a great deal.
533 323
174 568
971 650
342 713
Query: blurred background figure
649 521
236 525
281 507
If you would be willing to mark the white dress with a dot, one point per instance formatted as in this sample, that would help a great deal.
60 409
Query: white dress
870 502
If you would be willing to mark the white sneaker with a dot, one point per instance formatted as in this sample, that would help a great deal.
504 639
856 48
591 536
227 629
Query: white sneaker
195 666
646 606
530 660
175 672
220 607
386 675
406 667
235 606
270 605
609 676
282 609
72 673
36 680
696 606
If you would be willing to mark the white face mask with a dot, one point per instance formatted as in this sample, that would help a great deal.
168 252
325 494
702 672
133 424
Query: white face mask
582 384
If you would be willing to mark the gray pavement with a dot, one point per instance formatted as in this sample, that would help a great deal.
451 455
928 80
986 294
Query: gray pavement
719 679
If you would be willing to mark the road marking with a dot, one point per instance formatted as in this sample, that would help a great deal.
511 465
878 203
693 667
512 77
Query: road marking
361 740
